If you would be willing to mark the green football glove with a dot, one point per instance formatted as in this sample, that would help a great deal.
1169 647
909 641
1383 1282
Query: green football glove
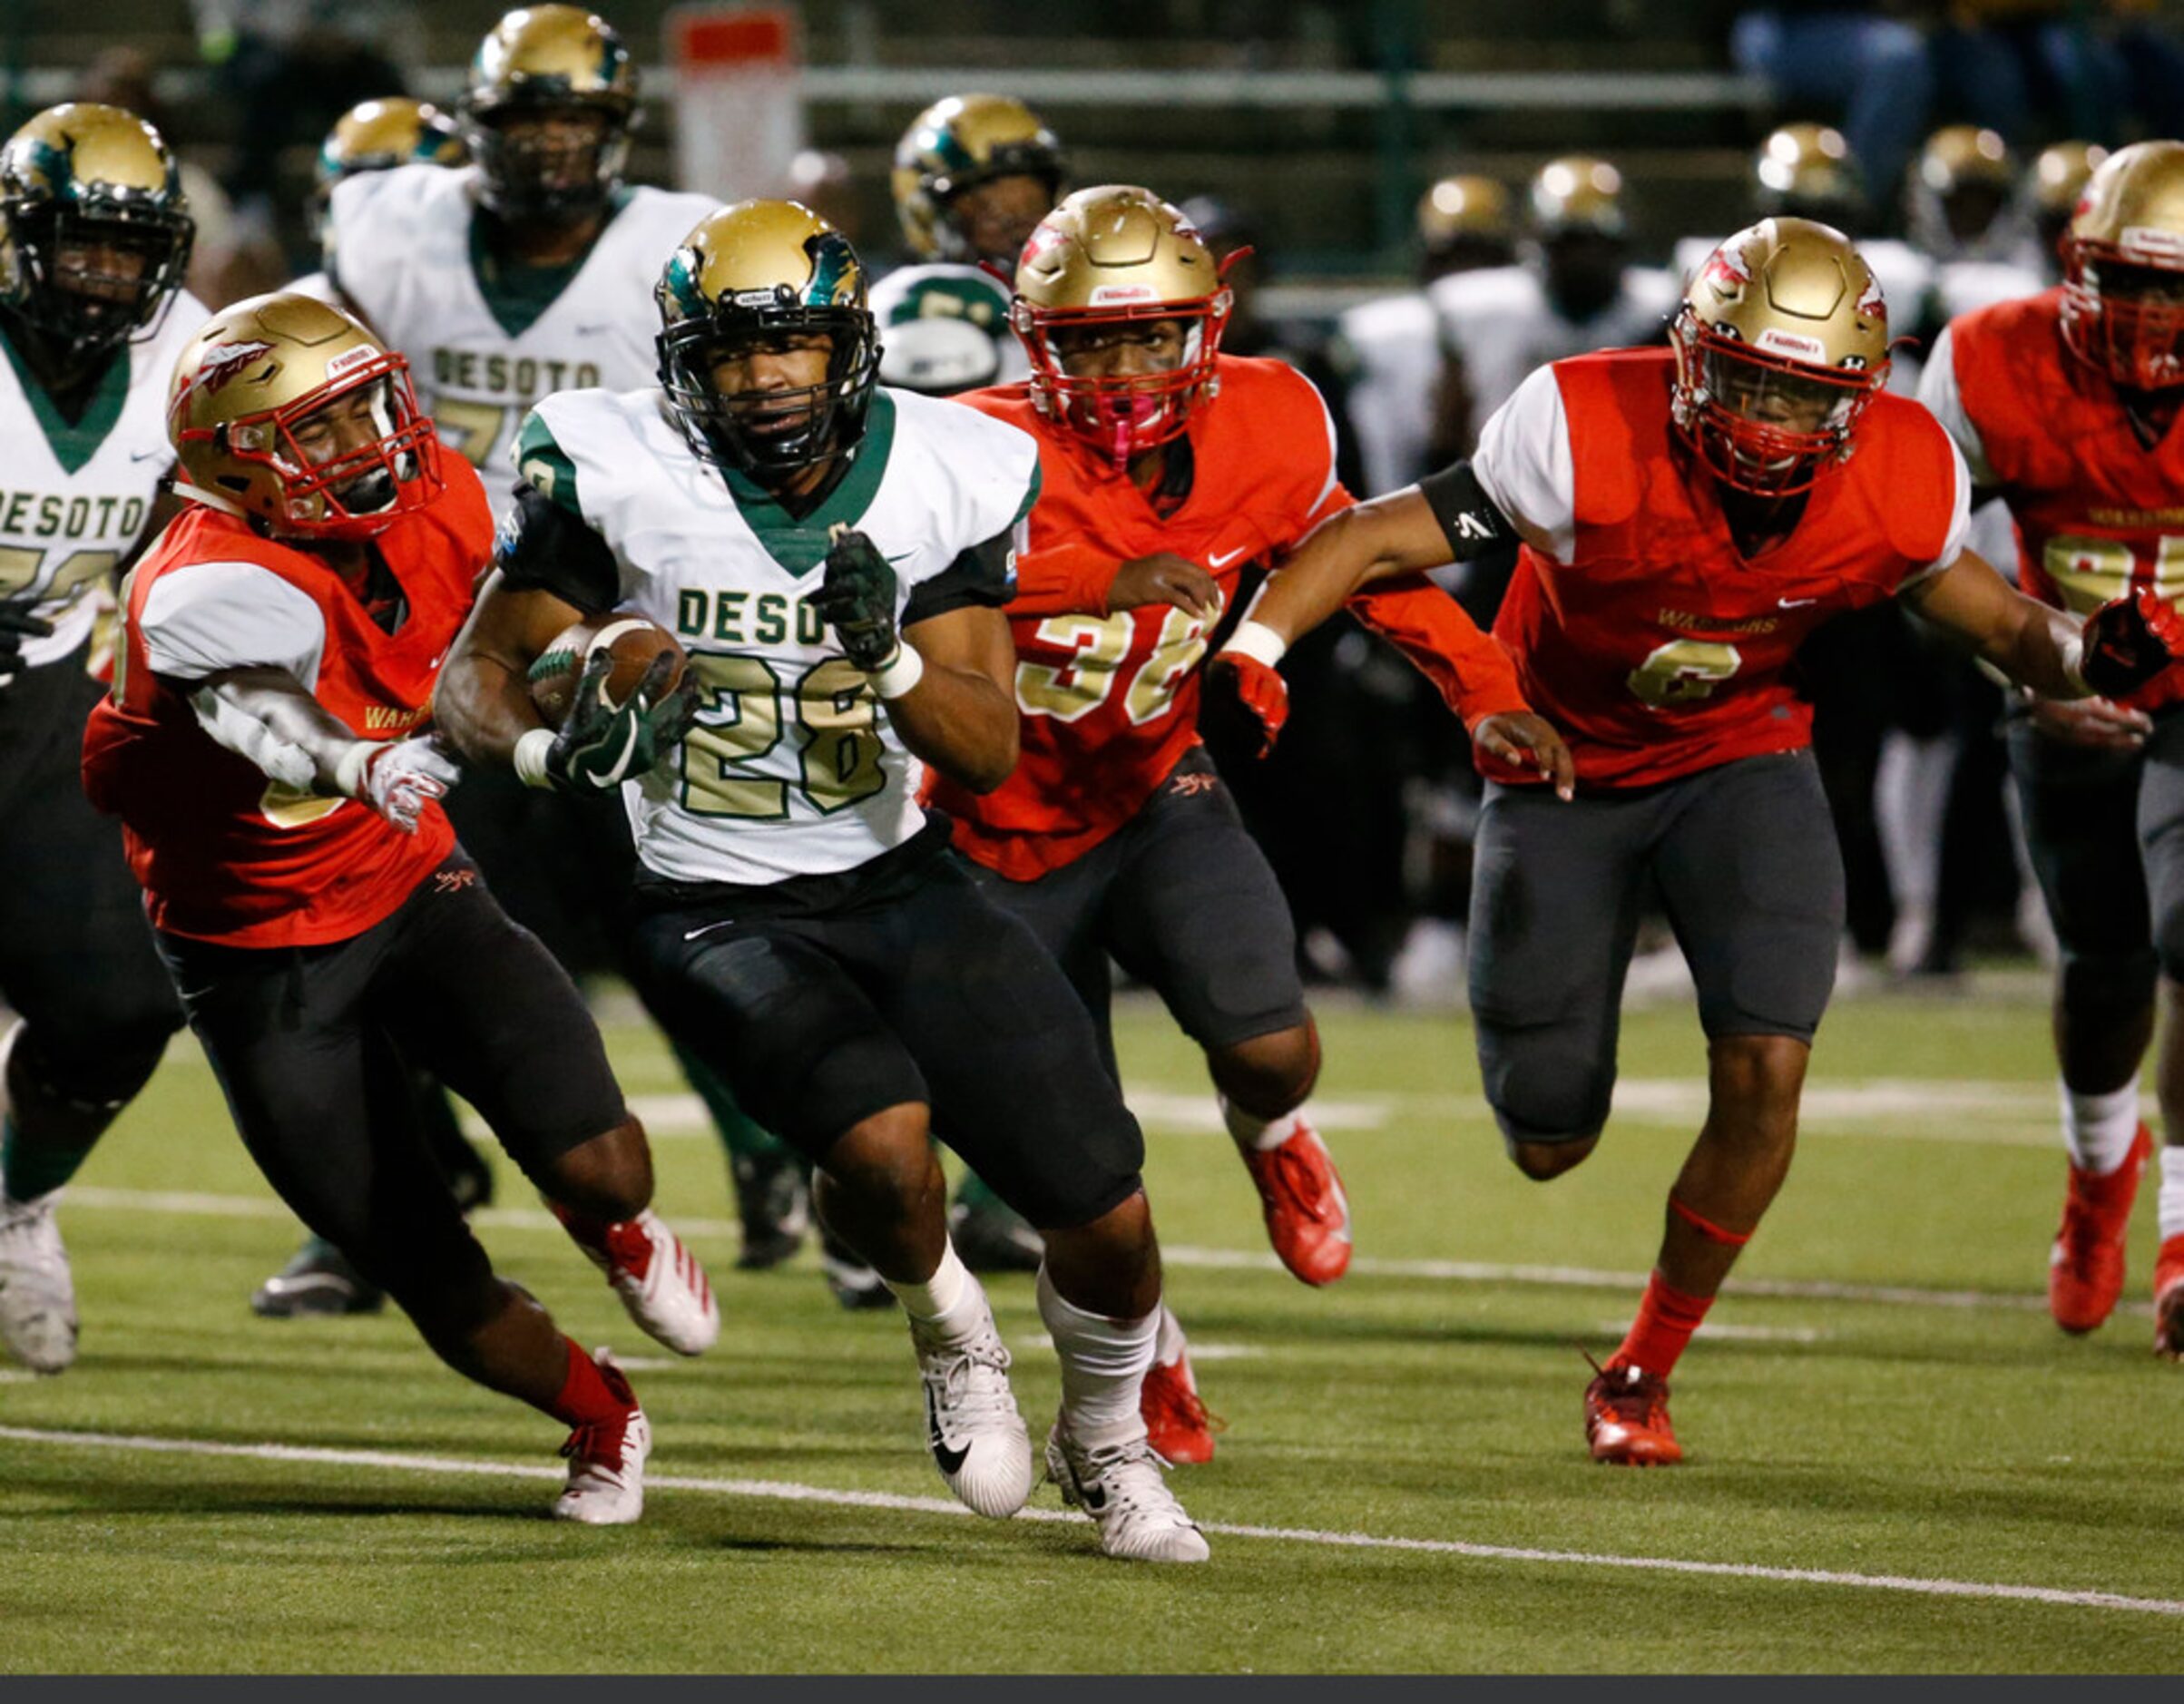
603 745
856 599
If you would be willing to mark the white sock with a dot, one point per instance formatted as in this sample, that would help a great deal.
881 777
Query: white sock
1259 1133
2098 1129
1168 1349
952 1303
2172 1203
1104 1366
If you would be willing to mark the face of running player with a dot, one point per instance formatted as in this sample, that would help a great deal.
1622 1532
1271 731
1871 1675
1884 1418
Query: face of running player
996 218
773 384
348 425
1584 271
549 154
1122 348
1779 403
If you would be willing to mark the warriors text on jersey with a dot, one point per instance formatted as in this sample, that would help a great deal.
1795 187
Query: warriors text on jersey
75 499
793 768
1110 701
485 343
2098 512
224 854
945 328
1638 629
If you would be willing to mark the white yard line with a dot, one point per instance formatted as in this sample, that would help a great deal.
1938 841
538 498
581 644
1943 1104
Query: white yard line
81 1195
776 1491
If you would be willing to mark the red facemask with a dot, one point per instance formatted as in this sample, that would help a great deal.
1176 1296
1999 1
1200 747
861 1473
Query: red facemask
1762 422
1123 417
2137 342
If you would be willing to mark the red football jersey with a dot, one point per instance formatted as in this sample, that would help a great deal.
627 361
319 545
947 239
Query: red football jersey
2098 513
226 854
1110 703
1645 636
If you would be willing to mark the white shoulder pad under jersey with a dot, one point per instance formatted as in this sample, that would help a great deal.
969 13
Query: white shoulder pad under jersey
402 248
793 768
74 500
945 329
1392 348
1963 287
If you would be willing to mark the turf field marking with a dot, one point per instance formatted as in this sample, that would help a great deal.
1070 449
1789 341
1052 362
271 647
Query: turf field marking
185 1202
778 1491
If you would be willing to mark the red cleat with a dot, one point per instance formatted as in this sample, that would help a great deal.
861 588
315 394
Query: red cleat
2168 1300
1179 1426
1307 1214
1627 1418
2085 1267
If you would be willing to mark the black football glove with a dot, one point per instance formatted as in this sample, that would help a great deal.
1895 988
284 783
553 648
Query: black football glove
856 599
603 745
2129 641
16 624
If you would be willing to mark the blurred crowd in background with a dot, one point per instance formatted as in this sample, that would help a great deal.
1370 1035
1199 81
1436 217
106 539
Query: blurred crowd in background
1951 139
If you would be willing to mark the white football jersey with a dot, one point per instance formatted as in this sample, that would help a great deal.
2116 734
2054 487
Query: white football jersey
75 500
404 249
1501 322
1392 348
945 328
793 768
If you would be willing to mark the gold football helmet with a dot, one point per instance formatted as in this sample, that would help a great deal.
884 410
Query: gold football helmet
547 114
958 144
1781 344
238 413
2123 268
753 274
1464 222
1577 194
1961 182
2059 173
379 136
1807 171
95 231
1105 256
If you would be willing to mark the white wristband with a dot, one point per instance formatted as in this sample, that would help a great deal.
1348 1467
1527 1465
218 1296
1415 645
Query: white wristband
348 771
900 672
530 754
1258 641
2074 660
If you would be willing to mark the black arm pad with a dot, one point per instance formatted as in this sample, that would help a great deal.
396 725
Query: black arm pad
1474 522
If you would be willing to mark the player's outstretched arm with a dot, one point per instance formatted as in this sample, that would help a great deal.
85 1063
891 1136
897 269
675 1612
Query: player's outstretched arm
481 703
1395 534
961 716
2119 648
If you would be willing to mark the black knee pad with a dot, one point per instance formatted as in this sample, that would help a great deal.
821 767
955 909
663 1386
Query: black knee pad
62 1073
2110 990
1541 1091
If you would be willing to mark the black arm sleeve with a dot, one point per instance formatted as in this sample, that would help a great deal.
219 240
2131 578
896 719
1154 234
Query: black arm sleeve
543 547
1474 522
984 574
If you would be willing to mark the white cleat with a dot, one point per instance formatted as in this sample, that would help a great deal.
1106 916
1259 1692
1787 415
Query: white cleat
973 1427
37 1292
606 1463
659 1280
1124 1488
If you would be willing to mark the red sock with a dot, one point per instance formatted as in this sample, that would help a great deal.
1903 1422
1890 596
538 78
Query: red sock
1666 1319
592 1394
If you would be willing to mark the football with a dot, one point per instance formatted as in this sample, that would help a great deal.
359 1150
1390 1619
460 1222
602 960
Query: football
631 640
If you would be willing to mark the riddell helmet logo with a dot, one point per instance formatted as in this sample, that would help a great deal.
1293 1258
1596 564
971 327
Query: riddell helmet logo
350 360
2152 239
225 361
1792 343
1104 294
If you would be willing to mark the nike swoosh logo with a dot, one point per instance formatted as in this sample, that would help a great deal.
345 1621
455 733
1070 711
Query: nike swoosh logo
151 456
1223 562
1794 603
594 331
628 750
725 923
950 1461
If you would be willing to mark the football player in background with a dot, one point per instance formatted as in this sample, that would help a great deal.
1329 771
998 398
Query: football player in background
525 272
1688 516
1168 470
974 174
2050 190
1576 291
834 554
266 747
2065 405
374 136
94 239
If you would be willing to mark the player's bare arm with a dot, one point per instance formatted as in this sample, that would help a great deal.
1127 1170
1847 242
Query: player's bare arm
960 717
483 703
2121 646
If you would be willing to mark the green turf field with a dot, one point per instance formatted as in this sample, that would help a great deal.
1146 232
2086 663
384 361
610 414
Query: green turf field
1886 1404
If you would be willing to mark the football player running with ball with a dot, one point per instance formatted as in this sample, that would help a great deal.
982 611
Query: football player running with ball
265 746
1688 516
2064 403
1169 469
833 555
94 239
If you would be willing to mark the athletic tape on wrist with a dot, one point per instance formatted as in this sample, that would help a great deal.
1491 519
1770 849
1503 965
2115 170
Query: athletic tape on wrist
1258 641
531 750
900 672
348 771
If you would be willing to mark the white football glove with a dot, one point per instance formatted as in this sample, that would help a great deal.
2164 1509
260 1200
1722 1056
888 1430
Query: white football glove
397 779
